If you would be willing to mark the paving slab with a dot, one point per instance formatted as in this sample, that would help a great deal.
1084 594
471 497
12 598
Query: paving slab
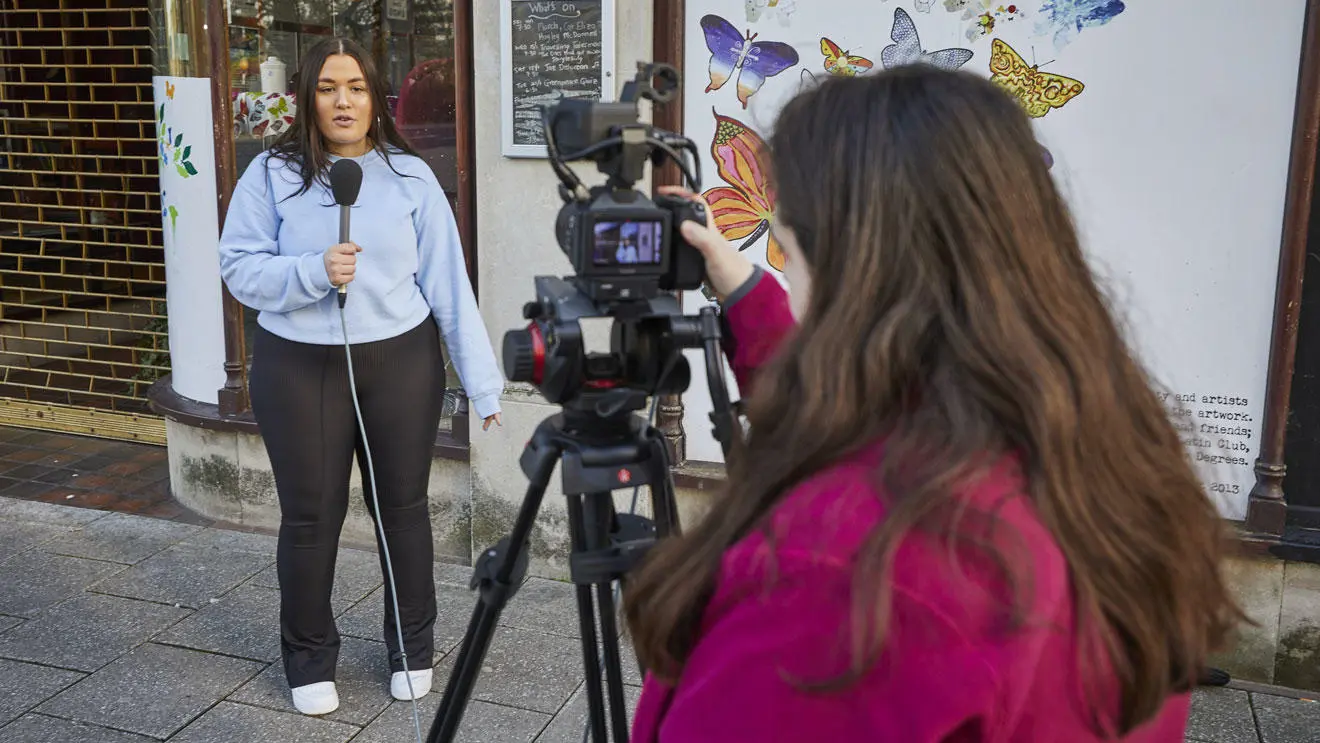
1221 715
25 685
362 678
36 512
567 726
229 723
121 537
458 576
244 623
526 669
357 574
44 729
36 580
1283 720
8 623
542 605
482 722
17 537
155 690
233 541
88 631
453 610
186 576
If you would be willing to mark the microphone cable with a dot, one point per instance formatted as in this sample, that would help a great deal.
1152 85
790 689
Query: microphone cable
380 524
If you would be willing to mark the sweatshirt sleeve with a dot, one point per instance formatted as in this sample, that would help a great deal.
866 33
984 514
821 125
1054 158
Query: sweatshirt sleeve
742 682
756 320
250 261
442 276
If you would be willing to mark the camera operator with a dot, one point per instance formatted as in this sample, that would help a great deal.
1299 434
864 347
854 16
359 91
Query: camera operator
960 512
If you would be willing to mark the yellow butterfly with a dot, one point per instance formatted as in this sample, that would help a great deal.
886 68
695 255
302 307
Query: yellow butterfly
1038 91
840 62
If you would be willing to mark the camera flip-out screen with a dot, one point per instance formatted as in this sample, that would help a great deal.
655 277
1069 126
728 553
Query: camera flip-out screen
628 242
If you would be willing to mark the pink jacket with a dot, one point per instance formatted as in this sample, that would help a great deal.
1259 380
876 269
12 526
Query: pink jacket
949 673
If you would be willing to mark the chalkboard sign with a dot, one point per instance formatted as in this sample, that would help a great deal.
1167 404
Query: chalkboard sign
552 49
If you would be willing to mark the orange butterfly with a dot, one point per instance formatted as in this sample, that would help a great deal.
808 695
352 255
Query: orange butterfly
744 208
840 62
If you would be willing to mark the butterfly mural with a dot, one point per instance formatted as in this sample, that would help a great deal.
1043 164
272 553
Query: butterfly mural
805 80
784 9
1038 91
840 62
743 209
1064 19
907 49
734 54
992 17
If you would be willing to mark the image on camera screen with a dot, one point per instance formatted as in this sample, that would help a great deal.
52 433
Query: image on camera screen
628 243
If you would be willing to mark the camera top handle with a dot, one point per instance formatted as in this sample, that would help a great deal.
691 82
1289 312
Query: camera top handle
611 135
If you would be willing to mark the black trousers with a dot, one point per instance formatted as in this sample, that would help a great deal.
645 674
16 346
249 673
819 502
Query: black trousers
301 400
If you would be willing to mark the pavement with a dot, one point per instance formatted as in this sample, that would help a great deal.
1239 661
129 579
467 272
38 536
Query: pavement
122 628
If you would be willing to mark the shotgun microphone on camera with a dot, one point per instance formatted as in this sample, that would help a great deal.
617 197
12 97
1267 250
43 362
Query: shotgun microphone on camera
345 182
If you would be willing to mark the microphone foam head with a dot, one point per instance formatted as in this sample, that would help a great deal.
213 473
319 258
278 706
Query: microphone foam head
345 181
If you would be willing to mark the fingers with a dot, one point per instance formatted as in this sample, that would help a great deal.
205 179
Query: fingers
681 192
704 237
341 262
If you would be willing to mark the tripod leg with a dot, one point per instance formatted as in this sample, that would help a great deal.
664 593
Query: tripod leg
600 520
497 575
480 631
587 625
663 503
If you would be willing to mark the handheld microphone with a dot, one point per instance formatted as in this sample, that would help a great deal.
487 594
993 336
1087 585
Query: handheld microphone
345 182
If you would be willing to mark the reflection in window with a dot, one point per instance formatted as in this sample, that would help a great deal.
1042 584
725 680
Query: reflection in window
411 42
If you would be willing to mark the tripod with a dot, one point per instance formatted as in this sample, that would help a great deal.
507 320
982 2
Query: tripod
599 455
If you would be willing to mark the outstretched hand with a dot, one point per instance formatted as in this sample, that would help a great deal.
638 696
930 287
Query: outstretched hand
485 425
726 268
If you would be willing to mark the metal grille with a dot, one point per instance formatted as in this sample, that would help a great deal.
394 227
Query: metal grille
82 267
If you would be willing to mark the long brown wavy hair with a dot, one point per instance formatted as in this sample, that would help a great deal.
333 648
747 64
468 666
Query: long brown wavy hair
952 314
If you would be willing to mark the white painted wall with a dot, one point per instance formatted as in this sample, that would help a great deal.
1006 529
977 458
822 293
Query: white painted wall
1174 157
517 201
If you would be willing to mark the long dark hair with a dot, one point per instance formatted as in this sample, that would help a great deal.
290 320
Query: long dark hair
302 145
953 316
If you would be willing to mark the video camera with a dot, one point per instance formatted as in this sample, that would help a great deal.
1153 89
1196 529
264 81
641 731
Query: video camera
622 244
628 256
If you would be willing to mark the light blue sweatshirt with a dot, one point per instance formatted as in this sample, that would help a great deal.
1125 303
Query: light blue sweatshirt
411 264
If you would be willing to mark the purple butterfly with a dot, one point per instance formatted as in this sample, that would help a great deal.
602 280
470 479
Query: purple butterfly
734 53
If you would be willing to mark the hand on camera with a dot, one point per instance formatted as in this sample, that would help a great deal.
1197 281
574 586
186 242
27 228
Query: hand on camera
726 268
341 262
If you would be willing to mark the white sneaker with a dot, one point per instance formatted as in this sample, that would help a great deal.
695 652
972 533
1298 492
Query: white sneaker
421 684
320 698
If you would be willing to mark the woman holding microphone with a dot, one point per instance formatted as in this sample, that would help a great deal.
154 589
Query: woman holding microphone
407 286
